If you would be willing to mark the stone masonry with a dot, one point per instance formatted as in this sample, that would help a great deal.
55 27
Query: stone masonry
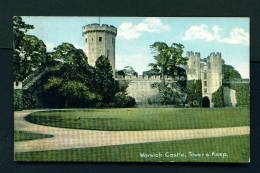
100 40
208 70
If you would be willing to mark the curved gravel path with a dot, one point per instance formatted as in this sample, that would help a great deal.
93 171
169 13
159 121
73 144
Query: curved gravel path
75 138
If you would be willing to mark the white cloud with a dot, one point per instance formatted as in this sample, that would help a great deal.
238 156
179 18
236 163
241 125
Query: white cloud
152 24
49 46
237 35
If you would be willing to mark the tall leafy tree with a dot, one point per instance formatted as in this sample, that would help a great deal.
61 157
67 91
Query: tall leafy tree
19 29
71 81
104 79
29 51
229 72
167 60
167 57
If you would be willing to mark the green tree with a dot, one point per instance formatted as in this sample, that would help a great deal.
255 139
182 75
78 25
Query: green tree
167 57
122 100
29 51
105 84
229 72
168 61
19 28
129 71
71 81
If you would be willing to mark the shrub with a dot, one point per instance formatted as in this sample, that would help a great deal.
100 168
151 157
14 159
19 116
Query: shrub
122 100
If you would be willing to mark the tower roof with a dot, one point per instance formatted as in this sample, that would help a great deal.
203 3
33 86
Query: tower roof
97 28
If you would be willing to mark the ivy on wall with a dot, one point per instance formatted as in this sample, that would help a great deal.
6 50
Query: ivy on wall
217 97
18 99
242 93
194 92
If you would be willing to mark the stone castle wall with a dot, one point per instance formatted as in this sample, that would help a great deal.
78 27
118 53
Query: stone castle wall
140 87
229 97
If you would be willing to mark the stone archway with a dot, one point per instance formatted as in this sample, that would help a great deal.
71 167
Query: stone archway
205 102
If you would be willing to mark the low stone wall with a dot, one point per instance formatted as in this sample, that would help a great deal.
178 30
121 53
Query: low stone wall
229 97
143 92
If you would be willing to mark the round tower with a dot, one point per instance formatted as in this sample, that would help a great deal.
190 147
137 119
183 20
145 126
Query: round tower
100 40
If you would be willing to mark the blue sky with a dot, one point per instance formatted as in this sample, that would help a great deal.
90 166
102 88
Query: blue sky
230 36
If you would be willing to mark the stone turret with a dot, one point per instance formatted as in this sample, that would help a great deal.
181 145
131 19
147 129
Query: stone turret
100 40
193 66
215 69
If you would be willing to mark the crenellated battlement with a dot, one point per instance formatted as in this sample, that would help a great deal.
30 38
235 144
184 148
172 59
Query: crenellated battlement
214 55
97 28
191 54
148 78
228 81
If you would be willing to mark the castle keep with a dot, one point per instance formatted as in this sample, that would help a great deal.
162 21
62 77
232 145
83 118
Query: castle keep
208 70
100 40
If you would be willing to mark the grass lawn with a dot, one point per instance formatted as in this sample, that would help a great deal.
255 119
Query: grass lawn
233 149
25 136
143 118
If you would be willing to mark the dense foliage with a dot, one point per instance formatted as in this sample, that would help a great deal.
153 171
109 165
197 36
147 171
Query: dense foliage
229 72
168 61
194 92
167 58
176 71
71 81
74 83
242 93
217 98
18 99
121 100
29 51
105 84
127 71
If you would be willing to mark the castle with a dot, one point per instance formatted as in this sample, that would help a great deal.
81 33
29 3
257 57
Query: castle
100 40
